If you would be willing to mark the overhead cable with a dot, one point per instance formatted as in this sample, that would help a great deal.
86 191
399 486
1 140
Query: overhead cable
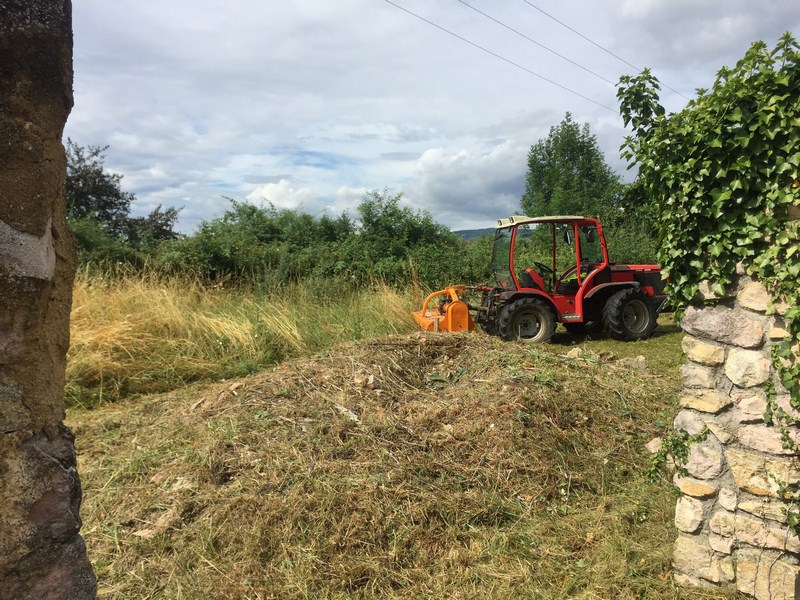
606 50
519 33
511 62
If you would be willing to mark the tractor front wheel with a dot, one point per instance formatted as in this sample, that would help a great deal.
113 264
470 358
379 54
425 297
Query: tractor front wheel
527 320
629 315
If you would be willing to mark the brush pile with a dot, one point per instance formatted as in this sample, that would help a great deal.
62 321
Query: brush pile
406 467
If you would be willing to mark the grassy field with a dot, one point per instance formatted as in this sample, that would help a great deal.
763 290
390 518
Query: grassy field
396 466
152 333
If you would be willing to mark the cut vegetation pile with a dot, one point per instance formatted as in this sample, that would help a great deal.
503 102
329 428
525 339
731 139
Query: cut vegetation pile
419 466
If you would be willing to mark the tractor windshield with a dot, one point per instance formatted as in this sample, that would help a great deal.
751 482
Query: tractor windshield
501 253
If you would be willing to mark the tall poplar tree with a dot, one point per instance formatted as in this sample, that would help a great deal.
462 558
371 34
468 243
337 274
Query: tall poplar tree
568 174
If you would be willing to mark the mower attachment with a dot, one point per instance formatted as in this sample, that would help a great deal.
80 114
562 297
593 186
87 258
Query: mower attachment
448 314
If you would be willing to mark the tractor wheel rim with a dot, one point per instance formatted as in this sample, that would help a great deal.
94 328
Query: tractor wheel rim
634 316
528 326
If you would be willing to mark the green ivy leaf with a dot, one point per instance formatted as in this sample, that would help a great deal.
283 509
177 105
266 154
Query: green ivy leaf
720 170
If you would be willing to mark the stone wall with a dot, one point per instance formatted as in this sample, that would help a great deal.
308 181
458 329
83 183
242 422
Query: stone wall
732 525
42 554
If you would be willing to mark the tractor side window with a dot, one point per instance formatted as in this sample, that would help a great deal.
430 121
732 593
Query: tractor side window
500 258
591 251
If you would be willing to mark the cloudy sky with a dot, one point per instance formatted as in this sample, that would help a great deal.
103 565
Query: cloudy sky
308 104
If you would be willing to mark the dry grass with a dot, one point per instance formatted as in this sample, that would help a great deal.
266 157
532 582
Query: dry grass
407 467
152 333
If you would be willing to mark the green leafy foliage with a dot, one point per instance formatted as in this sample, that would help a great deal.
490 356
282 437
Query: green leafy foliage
676 445
725 175
246 240
91 192
145 233
630 245
568 174
391 238
388 242
95 244
776 416
98 211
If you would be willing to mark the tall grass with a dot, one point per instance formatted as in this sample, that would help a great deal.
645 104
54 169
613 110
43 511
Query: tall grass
147 332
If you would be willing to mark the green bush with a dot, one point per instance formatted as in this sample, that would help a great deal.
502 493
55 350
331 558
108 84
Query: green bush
389 243
95 244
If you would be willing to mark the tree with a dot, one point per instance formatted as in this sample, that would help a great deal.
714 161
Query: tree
96 245
391 237
263 242
568 174
93 193
98 211
158 226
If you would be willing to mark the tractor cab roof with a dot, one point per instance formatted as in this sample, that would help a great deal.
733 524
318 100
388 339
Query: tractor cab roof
522 219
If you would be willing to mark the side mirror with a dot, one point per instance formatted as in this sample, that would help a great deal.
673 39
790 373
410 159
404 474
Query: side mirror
567 237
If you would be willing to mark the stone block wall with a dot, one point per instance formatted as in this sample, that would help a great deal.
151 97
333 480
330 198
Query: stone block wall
732 524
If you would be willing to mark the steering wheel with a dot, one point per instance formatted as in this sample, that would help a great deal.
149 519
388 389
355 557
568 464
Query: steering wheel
543 268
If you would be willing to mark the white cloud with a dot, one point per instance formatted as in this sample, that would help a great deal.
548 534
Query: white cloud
345 200
470 188
311 103
713 33
282 195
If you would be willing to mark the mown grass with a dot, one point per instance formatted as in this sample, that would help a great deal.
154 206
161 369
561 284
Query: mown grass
148 332
402 466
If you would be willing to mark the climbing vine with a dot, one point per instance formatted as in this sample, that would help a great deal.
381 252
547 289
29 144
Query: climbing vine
677 445
725 174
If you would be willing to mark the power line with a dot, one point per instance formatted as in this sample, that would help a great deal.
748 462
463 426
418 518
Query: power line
519 33
578 33
479 47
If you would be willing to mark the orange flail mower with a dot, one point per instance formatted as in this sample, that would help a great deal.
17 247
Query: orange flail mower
445 311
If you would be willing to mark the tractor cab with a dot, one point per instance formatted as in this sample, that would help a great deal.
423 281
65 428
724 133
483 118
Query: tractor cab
558 257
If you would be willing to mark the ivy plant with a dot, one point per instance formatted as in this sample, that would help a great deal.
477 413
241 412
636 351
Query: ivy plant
677 445
725 175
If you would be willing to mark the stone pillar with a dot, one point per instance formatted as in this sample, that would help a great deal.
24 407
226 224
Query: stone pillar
41 553
732 525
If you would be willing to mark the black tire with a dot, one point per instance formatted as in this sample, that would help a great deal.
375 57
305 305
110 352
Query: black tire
527 320
490 329
629 315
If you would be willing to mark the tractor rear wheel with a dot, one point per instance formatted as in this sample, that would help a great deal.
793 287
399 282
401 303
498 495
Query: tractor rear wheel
629 315
527 320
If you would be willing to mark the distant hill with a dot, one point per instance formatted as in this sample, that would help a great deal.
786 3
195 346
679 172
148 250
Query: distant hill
471 234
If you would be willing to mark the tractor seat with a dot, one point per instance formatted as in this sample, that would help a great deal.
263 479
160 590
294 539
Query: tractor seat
531 279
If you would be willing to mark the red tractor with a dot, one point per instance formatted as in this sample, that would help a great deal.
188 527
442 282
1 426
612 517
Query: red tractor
576 285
